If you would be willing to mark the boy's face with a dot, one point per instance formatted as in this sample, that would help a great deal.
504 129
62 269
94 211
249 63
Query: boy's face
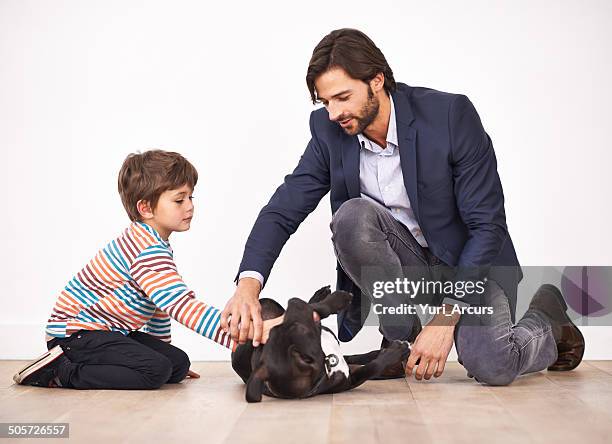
173 212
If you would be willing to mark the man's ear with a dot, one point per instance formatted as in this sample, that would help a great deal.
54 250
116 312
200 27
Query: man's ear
144 209
255 384
377 82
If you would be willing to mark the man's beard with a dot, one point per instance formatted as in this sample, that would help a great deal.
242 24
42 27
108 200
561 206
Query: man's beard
368 113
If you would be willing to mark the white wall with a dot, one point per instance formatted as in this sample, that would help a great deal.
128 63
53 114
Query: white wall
84 83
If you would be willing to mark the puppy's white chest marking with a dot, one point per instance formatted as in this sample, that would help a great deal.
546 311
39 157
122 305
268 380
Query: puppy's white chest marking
334 360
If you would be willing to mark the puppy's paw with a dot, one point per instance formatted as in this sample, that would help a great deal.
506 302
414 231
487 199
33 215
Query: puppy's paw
398 351
339 300
320 294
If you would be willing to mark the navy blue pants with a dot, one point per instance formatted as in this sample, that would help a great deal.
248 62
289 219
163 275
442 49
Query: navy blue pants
111 360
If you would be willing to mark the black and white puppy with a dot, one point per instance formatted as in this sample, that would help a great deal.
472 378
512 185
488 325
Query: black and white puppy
302 358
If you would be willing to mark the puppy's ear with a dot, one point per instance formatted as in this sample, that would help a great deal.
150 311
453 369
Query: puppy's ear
320 294
255 384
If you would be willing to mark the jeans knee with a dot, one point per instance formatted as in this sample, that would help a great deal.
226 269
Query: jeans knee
488 361
356 221
493 376
407 332
352 209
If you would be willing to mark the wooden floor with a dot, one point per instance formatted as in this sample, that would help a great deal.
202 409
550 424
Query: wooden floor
545 407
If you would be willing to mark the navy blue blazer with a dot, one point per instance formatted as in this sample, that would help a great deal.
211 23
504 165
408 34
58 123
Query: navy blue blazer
450 175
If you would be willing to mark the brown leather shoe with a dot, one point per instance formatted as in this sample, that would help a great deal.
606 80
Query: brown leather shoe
570 342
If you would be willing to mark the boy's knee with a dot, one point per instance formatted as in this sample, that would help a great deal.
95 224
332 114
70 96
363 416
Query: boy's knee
181 366
160 372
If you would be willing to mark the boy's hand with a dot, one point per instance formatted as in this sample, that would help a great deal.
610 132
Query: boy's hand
271 323
243 311
192 374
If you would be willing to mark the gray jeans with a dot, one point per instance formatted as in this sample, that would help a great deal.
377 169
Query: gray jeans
489 346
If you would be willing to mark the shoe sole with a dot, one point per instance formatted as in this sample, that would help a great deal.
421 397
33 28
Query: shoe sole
561 300
42 361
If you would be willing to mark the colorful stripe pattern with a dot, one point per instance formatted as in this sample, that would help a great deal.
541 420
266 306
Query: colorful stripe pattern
133 284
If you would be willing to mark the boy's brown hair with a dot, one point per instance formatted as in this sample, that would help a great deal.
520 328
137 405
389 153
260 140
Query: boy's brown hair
145 176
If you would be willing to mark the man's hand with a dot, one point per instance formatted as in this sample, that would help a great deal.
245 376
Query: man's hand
432 346
242 310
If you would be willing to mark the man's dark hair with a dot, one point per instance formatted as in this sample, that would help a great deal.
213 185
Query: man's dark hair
352 51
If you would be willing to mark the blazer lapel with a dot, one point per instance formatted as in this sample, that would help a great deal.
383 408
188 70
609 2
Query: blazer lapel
406 137
350 165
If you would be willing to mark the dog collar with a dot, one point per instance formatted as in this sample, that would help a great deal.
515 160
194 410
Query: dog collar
334 359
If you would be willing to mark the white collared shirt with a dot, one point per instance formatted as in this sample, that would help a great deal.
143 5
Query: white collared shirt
381 178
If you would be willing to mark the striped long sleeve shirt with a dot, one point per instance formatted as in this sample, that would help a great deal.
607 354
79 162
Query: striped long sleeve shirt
133 284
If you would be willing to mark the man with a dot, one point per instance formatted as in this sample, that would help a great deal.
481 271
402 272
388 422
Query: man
414 193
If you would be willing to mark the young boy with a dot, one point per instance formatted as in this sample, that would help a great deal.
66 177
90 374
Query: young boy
110 327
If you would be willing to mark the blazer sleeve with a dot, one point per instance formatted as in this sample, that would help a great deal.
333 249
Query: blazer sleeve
478 191
295 199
